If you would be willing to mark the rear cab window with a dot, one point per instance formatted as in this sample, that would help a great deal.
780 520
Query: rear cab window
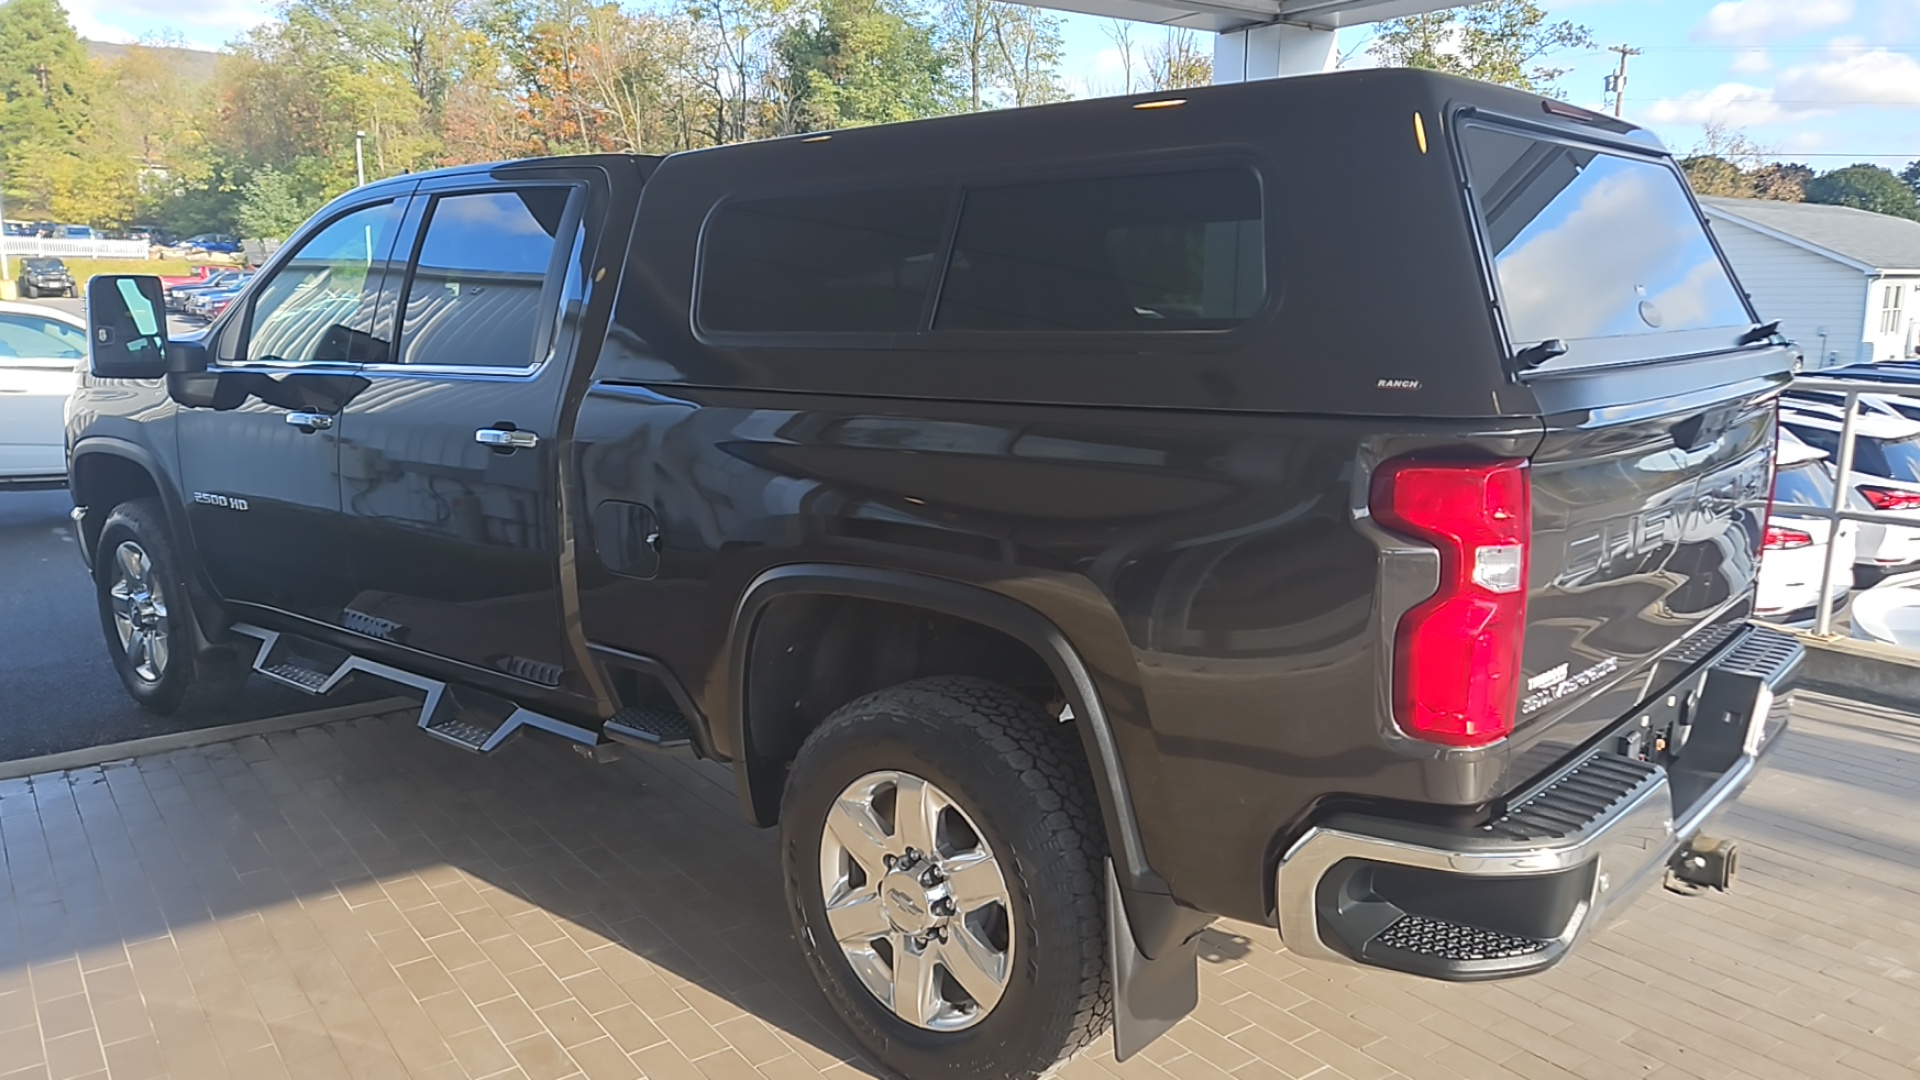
1598 247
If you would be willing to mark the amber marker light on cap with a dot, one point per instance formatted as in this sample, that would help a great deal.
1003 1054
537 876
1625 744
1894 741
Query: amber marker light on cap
1163 103
816 138
1420 132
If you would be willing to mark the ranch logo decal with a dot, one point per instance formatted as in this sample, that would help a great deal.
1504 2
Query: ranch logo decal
1553 684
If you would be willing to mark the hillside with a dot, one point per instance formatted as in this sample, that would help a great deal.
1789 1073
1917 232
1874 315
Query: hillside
194 65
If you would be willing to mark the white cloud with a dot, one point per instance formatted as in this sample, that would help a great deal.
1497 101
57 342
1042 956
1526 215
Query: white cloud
1754 21
1874 77
1753 62
1729 103
1845 78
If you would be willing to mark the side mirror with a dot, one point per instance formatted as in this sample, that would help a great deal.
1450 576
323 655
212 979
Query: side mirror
126 327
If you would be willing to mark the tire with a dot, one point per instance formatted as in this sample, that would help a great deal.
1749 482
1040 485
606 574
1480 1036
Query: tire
27 292
1010 792
73 292
142 595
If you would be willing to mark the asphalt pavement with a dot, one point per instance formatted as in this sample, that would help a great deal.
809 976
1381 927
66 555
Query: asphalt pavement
58 690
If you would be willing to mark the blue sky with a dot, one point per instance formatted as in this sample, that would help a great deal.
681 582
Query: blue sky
1828 82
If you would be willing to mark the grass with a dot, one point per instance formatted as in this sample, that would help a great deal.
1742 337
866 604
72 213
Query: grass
83 269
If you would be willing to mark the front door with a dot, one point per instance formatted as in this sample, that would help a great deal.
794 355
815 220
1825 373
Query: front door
449 471
262 480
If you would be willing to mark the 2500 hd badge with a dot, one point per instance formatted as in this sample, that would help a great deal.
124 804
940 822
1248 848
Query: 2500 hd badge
1553 684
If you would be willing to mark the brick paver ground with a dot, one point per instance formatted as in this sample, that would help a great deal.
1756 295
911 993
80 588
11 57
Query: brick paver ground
357 900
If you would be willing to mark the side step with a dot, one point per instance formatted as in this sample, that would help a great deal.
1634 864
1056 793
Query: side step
471 721
651 727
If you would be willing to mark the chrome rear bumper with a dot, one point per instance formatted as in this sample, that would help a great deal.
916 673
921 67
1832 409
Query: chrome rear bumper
1513 896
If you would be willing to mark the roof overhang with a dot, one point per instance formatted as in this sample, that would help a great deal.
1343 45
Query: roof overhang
1218 15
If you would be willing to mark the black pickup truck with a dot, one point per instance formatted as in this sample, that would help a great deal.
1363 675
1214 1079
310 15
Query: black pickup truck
1333 503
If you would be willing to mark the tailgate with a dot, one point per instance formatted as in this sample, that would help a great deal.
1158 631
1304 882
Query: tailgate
1648 521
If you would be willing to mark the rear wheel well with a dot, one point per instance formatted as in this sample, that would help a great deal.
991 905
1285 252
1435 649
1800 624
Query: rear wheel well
811 654
103 481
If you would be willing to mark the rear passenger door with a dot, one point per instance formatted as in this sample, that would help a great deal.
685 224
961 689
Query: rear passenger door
448 476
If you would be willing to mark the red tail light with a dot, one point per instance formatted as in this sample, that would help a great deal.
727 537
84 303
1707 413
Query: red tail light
1883 499
1457 653
1779 538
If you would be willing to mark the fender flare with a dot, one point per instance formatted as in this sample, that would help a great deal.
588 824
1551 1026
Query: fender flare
199 590
1152 939
758 784
110 446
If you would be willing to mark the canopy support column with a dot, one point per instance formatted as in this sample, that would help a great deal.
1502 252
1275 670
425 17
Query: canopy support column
1270 51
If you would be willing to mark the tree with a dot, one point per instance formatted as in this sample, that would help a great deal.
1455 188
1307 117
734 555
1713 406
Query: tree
1120 32
1865 187
864 62
1178 61
1726 162
272 205
44 75
1027 45
1911 174
1006 54
1501 42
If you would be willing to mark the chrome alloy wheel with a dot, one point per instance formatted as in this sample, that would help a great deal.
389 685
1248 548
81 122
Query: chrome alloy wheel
917 901
139 612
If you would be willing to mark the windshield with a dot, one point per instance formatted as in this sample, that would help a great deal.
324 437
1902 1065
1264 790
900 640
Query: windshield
32 338
1588 244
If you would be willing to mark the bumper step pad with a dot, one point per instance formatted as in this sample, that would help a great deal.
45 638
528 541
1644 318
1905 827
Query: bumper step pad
1443 940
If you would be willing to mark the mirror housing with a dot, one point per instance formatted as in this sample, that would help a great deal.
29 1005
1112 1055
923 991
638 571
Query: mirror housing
126 327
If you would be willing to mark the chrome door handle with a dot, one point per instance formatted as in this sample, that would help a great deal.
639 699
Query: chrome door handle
310 422
501 439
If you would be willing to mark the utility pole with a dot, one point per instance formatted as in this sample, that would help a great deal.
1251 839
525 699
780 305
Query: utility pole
359 159
1617 82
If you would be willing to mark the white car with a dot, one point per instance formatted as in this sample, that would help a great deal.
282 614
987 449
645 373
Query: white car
1795 549
41 350
1886 474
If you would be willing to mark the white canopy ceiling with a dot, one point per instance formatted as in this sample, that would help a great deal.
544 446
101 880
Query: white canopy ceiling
1219 15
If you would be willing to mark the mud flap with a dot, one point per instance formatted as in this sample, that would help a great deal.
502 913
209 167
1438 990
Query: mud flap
1149 995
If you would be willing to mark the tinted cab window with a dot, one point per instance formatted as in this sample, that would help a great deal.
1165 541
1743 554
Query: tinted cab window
474 296
323 304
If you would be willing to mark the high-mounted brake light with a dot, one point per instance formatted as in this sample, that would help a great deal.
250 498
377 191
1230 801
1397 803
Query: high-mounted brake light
1886 499
1780 539
1457 653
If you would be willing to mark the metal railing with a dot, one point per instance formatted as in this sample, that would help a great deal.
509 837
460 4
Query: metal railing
1840 510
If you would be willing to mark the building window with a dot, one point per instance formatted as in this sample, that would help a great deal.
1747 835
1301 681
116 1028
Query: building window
1890 310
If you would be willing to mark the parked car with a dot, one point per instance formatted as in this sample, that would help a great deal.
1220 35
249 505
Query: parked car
199 276
1794 552
177 296
1886 473
206 303
213 242
42 276
73 232
41 351
1037 510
